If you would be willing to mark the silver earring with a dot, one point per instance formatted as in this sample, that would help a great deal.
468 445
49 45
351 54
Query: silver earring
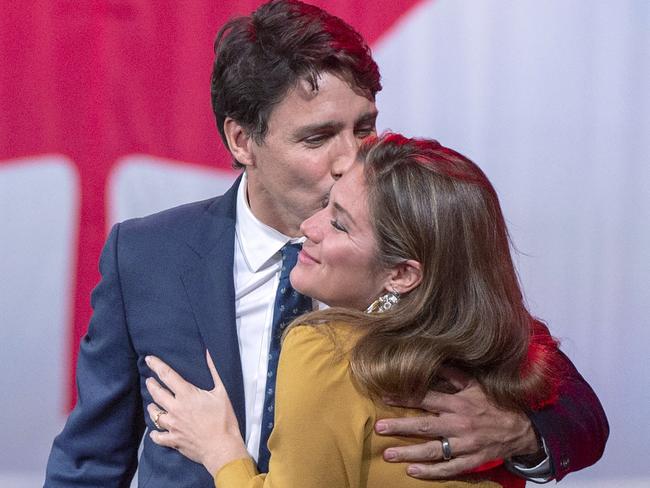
384 303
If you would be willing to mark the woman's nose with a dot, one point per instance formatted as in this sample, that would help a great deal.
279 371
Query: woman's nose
310 227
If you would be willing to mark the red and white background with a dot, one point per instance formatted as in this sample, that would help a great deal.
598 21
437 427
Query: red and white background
105 115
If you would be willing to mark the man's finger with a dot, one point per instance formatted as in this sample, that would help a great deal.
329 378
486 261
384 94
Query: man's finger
160 395
424 452
167 375
433 401
455 377
424 427
440 470
440 403
402 402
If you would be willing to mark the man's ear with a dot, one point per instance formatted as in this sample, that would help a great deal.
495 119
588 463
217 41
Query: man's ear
239 142
404 277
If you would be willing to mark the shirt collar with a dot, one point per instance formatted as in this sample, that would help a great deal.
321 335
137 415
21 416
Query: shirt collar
258 242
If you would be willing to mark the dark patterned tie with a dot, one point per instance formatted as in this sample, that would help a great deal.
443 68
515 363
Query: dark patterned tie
288 305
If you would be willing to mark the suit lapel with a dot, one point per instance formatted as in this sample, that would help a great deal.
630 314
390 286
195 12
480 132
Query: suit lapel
210 290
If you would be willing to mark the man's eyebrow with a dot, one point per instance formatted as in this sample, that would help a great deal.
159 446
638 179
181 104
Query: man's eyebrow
367 118
345 212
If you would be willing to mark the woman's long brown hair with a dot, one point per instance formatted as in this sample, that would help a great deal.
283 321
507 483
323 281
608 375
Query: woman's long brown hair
431 204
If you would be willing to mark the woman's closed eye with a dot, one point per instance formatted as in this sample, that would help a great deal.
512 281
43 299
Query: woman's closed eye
338 226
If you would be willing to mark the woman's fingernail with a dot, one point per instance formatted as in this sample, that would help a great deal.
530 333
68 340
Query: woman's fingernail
413 470
390 455
381 427
147 359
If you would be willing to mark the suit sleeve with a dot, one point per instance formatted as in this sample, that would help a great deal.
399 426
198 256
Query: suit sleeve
99 443
311 446
575 427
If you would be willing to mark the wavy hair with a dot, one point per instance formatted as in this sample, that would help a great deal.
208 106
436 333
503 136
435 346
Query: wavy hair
259 57
431 204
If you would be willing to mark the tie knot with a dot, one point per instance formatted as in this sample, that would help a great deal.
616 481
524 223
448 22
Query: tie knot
289 257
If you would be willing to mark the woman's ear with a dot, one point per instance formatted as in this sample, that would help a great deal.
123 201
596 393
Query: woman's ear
404 277
239 142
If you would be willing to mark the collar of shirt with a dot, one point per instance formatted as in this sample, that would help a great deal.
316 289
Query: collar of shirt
260 243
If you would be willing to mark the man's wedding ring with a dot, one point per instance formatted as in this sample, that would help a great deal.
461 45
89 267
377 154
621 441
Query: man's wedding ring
446 449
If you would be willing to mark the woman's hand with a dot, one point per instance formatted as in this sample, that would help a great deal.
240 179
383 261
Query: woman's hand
200 424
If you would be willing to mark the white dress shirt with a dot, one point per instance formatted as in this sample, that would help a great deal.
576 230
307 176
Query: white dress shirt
256 269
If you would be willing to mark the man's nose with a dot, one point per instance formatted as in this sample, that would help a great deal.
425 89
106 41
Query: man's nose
346 155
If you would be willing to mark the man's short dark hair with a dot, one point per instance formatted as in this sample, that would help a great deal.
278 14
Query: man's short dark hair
258 58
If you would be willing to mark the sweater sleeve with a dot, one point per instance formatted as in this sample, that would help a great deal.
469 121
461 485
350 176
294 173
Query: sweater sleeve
321 421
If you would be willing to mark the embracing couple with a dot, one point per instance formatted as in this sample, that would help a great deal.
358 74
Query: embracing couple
416 363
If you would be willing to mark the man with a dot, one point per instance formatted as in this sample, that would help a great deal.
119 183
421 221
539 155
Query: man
293 92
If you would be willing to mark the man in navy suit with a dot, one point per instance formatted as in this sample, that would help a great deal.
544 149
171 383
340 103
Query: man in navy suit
293 91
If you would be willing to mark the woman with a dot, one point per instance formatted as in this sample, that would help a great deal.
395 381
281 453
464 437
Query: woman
412 254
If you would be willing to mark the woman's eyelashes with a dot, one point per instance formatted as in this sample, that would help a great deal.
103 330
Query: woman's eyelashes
338 226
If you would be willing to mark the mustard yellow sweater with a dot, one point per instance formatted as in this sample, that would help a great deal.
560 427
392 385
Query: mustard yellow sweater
323 435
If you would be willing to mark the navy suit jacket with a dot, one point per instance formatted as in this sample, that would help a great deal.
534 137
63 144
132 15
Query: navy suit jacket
167 289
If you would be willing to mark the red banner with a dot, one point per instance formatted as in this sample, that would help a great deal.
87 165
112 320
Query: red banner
96 81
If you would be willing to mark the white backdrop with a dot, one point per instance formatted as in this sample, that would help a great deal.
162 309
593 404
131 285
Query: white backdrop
551 98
